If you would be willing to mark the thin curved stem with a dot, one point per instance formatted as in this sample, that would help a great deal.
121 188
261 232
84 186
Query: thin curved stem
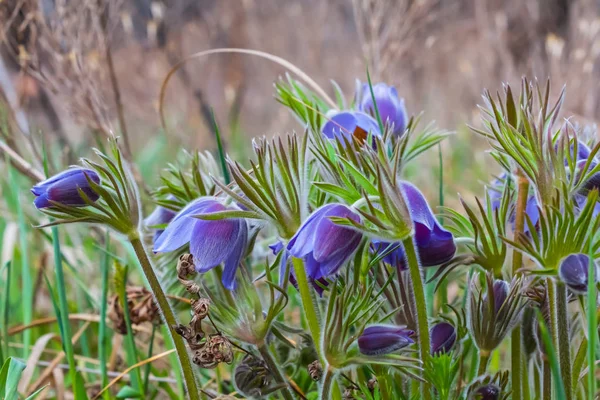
167 313
275 371
421 308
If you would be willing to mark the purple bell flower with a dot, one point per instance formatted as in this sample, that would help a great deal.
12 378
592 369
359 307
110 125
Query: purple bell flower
500 293
384 339
211 242
390 106
574 272
348 124
160 216
318 284
486 392
64 188
435 245
443 337
323 245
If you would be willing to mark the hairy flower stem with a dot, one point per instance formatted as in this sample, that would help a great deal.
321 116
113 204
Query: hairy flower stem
564 344
553 326
311 310
327 383
517 257
193 392
484 358
274 369
547 385
421 308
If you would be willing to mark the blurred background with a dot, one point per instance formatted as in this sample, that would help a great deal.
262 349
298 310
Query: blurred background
72 71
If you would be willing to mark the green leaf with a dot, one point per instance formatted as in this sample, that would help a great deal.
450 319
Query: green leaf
34 394
128 392
10 374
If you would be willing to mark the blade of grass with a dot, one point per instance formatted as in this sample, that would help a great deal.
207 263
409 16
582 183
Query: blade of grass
148 366
222 158
592 325
135 376
5 306
102 331
63 306
379 121
26 279
553 358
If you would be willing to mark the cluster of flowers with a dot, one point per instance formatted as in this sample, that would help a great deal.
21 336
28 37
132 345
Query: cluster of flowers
330 235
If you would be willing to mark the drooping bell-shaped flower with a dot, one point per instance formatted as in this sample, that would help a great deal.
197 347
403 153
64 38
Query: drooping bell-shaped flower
486 392
318 284
323 245
211 242
435 245
390 106
160 216
443 337
64 188
384 339
574 272
349 124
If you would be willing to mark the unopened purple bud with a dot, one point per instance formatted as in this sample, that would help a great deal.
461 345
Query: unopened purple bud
486 392
574 272
390 106
384 339
500 292
443 337
64 188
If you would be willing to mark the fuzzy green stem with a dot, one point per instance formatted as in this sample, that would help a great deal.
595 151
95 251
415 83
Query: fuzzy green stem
517 259
274 369
564 347
167 313
311 310
421 309
553 326
327 384
484 358
547 385
525 381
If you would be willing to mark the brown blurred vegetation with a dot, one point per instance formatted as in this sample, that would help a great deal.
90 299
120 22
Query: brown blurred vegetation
69 62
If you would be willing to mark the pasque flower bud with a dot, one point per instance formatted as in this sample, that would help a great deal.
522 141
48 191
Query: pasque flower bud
64 188
384 339
443 337
486 392
574 272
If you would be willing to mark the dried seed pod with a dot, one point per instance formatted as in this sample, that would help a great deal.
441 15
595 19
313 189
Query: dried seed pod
315 370
141 306
215 350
